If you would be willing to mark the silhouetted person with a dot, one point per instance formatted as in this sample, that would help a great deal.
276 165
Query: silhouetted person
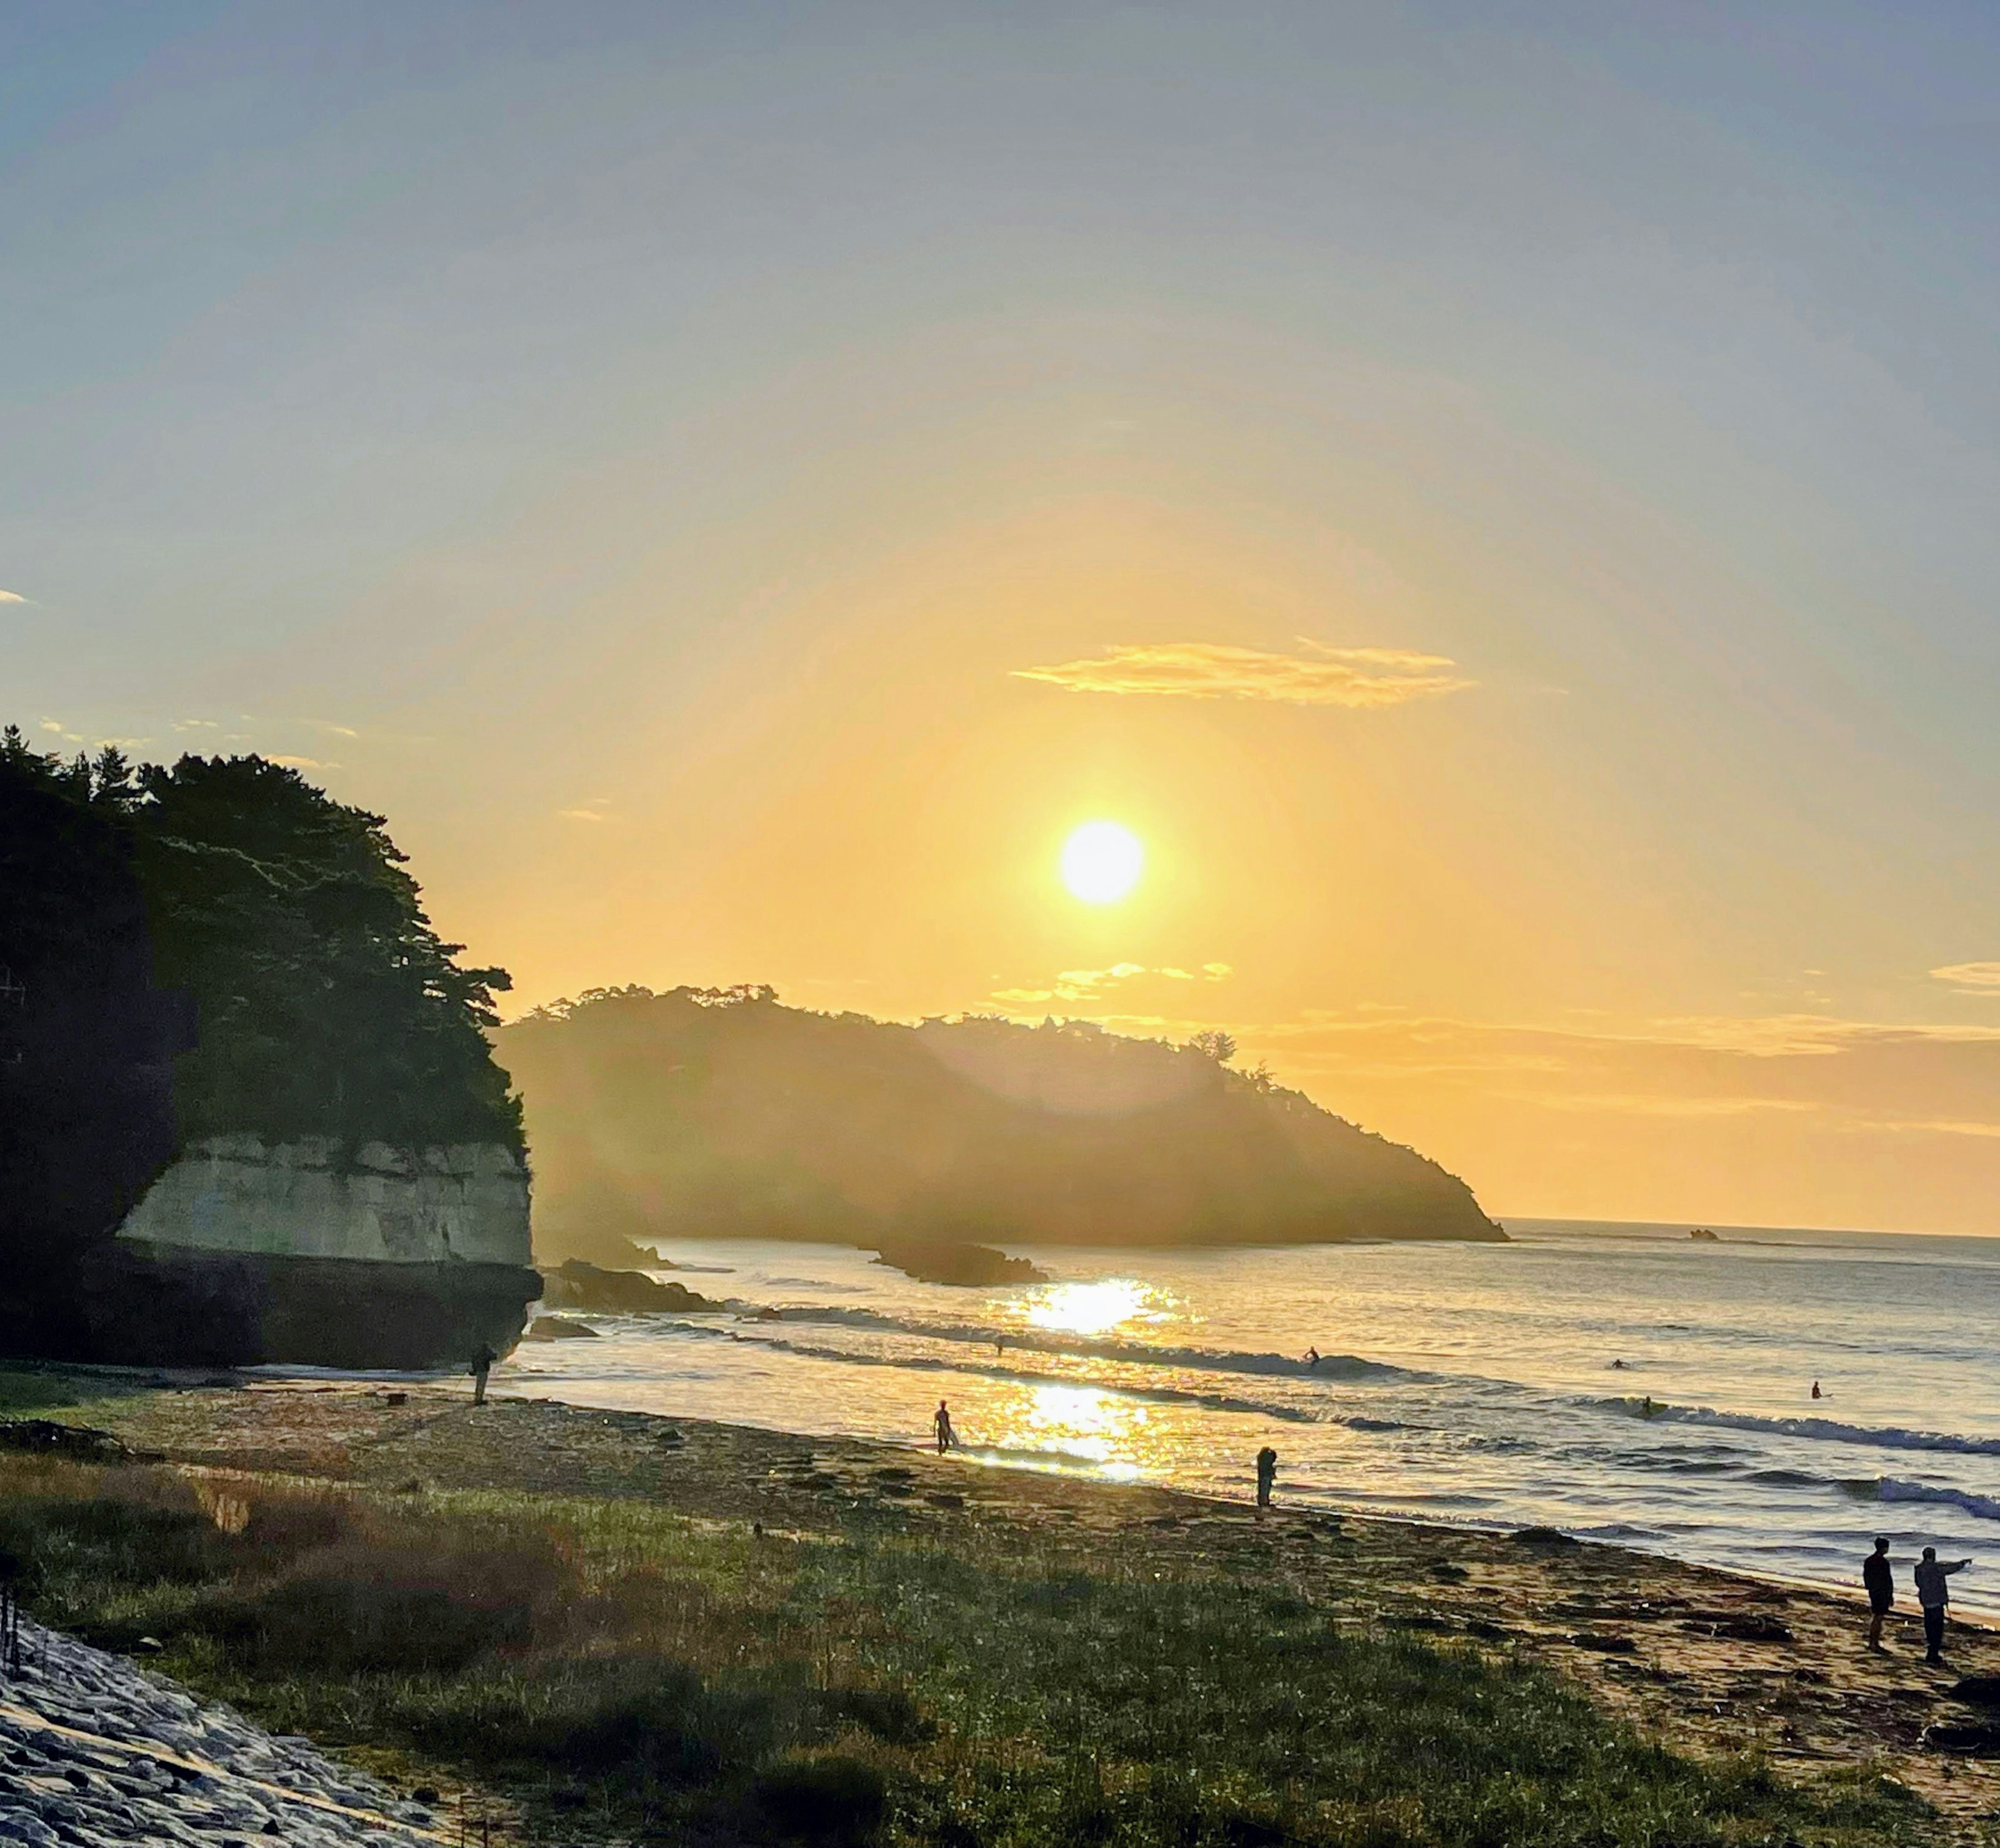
482 1365
1881 1587
1267 1474
1816 1393
1312 1357
1934 1596
947 1438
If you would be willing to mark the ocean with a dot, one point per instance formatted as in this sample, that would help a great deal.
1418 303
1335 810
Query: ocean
1622 1382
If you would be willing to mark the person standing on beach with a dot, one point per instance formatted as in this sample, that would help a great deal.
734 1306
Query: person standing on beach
1935 1595
947 1439
482 1365
1267 1474
1880 1584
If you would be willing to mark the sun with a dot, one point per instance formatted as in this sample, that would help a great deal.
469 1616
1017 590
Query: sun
1102 861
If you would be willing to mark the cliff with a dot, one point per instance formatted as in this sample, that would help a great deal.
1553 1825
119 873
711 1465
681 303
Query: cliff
723 1113
247 1111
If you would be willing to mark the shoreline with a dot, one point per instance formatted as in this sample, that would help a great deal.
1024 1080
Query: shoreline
1710 1662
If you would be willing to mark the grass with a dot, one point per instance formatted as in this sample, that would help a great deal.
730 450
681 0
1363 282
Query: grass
623 1668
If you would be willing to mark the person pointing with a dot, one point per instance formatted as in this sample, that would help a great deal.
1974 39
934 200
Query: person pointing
1934 1596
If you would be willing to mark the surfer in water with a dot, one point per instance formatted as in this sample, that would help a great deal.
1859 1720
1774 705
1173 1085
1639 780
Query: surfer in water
1312 1357
1816 1393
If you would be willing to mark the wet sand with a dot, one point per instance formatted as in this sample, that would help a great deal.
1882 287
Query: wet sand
1707 1661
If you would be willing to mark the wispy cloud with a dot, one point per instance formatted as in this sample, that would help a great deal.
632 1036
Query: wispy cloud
296 763
1321 676
196 725
56 728
11 597
1093 984
1971 978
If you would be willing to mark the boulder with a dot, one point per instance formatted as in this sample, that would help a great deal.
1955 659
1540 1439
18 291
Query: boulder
578 1284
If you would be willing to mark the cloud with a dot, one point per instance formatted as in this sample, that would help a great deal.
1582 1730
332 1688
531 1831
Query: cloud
293 763
11 597
196 725
1090 984
59 729
579 815
1971 978
1348 677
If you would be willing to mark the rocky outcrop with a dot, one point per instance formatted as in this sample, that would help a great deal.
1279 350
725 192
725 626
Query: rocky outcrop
311 1199
964 1266
579 1284
245 1251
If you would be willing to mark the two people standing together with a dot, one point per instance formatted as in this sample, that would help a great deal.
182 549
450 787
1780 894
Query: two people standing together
1933 1594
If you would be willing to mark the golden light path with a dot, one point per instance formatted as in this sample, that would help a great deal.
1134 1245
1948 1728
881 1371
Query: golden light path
1102 861
1072 1424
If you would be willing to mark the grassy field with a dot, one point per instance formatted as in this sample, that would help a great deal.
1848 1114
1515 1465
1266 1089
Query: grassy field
620 1669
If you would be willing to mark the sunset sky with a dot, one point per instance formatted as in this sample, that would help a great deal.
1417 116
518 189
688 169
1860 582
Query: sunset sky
1509 519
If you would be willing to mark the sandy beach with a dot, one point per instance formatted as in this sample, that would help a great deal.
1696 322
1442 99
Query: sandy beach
1704 1661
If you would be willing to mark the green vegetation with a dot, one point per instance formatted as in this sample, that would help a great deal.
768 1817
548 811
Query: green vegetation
325 1004
623 1669
719 1112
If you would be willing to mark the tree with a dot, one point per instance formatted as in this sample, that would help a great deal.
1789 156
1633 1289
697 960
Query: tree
1214 1044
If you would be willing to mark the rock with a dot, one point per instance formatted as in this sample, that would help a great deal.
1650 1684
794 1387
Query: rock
1978 1690
1979 1741
963 1266
578 1284
1604 1643
1543 1536
1746 1627
46 1436
945 1500
559 1328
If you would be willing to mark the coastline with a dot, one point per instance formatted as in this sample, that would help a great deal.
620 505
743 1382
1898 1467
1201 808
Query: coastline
1708 1663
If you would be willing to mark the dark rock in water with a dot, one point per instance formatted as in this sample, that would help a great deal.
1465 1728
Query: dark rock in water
1543 1536
557 1328
52 1439
1707 1236
1981 1741
968 1266
578 1284
1978 1690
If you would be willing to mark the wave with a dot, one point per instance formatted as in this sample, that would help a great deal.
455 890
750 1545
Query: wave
1895 1488
1343 1367
1830 1430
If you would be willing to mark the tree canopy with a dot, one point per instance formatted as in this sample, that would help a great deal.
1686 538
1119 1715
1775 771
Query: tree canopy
326 1003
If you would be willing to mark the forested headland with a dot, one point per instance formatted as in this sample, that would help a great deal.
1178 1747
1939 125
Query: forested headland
208 948
722 1112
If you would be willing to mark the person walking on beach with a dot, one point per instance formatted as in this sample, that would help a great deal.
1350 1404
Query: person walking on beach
947 1439
1934 1596
1267 1474
482 1365
1880 1585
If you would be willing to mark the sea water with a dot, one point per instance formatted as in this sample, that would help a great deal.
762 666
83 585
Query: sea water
1621 1382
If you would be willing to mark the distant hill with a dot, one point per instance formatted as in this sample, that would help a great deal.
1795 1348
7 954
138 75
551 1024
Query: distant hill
719 1112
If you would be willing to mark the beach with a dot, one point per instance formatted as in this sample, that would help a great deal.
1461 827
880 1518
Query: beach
1708 1664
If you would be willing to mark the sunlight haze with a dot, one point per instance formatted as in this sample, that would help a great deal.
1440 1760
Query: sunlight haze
1456 545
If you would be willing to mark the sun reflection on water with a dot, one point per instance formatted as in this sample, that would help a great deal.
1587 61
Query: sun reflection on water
1092 1309
1072 1425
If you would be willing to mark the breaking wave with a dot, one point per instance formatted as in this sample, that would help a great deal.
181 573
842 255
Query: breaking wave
1895 1488
1342 1366
1828 1431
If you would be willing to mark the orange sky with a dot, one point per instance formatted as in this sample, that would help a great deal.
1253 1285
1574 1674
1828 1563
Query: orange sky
1503 511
